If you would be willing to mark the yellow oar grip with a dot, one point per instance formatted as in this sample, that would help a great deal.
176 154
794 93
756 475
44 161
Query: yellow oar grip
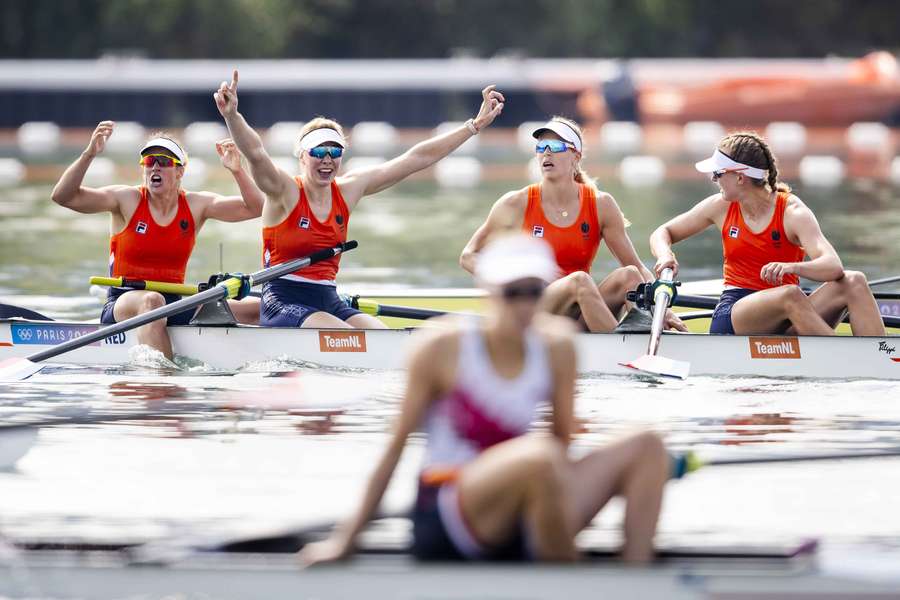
694 463
107 281
152 286
368 306
664 288
233 285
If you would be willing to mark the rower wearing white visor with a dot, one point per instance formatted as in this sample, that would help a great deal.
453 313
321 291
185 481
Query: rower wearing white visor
766 232
153 226
568 211
489 487
312 210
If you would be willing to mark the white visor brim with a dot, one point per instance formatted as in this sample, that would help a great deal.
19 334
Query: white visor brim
720 162
317 137
563 130
176 150
514 258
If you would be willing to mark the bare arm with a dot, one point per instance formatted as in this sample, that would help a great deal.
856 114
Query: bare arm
685 225
563 365
69 192
249 204
506 214
422 387
274 182
372 180
617 240
824 263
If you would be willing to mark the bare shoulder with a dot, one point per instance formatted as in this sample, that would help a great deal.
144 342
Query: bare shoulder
795 204
513 200
200 198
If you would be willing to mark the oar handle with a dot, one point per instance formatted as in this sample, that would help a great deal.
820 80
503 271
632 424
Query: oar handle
162 287
663 293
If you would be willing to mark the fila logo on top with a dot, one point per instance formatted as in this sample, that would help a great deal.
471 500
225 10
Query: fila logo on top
304 222
141 227
538 231
733 232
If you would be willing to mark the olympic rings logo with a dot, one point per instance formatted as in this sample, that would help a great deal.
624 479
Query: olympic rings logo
24 334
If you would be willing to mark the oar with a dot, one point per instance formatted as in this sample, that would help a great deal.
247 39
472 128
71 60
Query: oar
884 280
11 311
682 464
182 289
233 287
663 291
371 307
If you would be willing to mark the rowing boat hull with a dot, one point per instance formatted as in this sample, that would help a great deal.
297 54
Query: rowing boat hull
235 347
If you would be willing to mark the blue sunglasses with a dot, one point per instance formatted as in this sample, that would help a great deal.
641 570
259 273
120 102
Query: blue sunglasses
554 145
321 151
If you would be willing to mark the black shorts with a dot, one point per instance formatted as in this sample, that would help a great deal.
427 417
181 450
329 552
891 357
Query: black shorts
721 318
287 303
108 316
433 542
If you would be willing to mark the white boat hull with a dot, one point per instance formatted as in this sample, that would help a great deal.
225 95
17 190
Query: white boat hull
234 347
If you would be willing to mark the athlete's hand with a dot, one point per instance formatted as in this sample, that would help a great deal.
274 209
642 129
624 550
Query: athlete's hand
667 261
491 106
98 139
673 322
226 97
774 272
333 549
229 155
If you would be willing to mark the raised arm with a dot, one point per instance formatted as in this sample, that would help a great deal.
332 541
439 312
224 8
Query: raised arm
506 215
824 263
685 225
69 192
421 388
273 182
249 204
372 180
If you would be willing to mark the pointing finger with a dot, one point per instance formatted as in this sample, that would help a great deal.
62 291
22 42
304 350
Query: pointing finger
234 80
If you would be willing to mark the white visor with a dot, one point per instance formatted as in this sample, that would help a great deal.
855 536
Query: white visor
515 257
720 162
561 129
317 137
169 145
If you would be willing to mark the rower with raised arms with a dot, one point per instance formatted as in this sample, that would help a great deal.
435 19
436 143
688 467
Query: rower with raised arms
312 210
154 225
567 210
766 232
489 487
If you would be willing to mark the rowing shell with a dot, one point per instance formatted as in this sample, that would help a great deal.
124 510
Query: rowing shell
233 347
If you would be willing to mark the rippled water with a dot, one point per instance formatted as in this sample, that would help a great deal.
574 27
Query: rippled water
181 456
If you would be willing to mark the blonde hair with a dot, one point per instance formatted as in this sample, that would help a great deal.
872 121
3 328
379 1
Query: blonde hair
749 148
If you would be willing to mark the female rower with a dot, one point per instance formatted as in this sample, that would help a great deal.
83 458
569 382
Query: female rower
154 225
311 211
488 489
766 232
567 210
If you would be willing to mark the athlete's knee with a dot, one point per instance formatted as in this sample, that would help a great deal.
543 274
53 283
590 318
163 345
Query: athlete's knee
630 275
855 281
582 283
151 301
547 463
793 298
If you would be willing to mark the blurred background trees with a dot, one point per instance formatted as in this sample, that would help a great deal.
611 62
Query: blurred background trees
443 28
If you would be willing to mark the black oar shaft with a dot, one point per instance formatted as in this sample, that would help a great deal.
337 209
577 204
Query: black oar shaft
805 458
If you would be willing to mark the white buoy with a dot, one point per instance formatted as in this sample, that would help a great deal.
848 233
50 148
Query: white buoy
373 137
38 137
12 172
868 137
895 170
524 139
786 137
702 137
821 171
201 137
101 172
127 138
642 171
621 137
458 172
195 173
283 137
362 162
470 146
